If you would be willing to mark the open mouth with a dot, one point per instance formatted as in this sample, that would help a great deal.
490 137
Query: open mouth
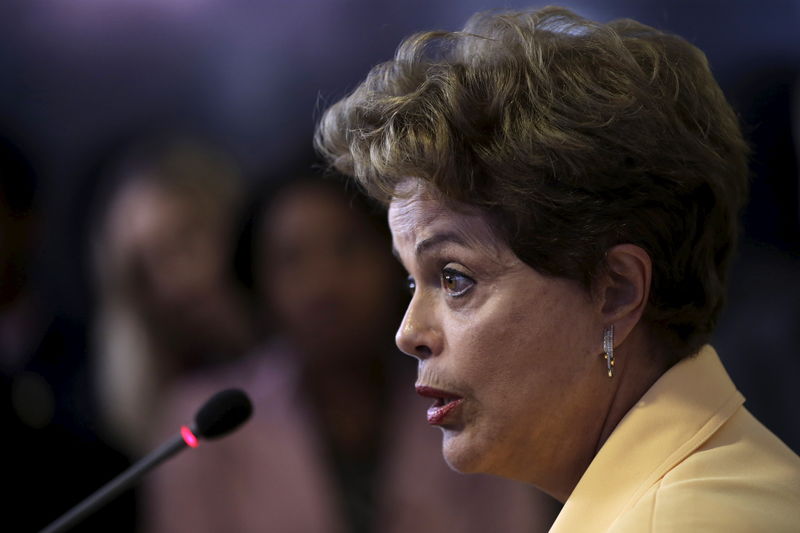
444 404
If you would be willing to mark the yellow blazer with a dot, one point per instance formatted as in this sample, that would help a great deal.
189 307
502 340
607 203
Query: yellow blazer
688 457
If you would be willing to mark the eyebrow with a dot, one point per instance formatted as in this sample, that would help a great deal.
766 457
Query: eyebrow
435 240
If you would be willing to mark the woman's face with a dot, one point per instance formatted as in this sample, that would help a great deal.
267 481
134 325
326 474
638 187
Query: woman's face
177 247
328 276
518 353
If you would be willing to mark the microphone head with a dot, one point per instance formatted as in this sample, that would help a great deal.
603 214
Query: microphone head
222 413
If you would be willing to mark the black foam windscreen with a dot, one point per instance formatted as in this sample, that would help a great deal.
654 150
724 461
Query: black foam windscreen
222 413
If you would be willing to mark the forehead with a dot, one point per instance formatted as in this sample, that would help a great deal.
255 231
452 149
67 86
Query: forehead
311 215
416 214
307 206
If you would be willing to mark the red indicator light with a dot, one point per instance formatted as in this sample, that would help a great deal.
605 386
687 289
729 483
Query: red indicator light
188 437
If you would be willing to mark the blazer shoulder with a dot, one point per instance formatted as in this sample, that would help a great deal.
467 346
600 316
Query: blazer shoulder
743 478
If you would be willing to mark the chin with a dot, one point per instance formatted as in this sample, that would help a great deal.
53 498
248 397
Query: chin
463 454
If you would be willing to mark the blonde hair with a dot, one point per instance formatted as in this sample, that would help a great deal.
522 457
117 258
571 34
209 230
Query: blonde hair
571 136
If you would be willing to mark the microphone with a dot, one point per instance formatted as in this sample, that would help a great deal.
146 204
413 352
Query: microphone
221 414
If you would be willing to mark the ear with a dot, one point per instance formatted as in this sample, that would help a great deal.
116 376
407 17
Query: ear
623 290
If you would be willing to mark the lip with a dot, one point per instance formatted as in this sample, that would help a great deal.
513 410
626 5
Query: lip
446 403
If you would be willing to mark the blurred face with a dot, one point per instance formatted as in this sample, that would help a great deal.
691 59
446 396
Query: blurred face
328 275
170 248
508 356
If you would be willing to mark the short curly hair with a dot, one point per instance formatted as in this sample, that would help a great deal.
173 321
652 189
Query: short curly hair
571 136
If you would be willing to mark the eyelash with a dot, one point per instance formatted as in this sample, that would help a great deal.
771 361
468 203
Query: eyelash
411 285
447 274
452 273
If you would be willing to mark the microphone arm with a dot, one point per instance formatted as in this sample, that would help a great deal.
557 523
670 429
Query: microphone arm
116 486
221 414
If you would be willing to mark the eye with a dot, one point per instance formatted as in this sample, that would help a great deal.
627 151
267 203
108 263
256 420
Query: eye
455 283
411 285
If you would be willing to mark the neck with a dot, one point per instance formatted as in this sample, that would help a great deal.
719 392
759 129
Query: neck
349 402
638 368
641 368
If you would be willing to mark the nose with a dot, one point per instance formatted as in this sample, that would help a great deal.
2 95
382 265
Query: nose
419 334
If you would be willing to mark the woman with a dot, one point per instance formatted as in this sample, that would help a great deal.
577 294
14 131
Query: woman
564 196
165 303
335 443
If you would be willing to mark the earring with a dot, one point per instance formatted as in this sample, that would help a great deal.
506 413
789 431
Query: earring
608 348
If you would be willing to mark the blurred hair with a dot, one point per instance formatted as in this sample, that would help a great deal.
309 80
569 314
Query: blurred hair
186 167
571 136
269 190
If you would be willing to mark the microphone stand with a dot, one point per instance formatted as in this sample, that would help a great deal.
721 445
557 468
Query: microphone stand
119 484
221 414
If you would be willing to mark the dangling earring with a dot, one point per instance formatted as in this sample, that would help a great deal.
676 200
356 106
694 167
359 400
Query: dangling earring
608 348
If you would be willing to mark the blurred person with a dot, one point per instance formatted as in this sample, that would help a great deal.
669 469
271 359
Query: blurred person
165 304
52 451
565 197
334 444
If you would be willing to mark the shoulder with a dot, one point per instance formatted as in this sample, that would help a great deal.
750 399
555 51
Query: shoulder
742 452
742 479
265 375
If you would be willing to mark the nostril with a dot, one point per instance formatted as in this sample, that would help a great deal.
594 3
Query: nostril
423 351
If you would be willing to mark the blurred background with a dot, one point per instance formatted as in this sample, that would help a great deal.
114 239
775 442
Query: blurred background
115 110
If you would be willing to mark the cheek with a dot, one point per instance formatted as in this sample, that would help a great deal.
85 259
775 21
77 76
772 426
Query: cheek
283 296
521 362
517 350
